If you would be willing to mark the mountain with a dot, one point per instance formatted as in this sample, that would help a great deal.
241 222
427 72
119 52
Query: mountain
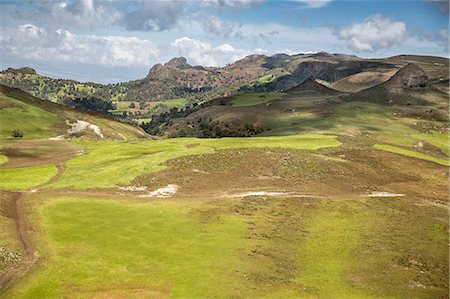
23 116
312 88
409 86
406 97
176 83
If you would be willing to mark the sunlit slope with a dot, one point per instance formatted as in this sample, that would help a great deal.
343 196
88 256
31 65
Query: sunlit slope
35 119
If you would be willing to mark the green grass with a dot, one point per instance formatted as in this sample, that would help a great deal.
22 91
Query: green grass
435 138
265 79
140 121
123 106
26 177
108 164
3 159
251 99
32 121
175 103
113 249
413 154
334 233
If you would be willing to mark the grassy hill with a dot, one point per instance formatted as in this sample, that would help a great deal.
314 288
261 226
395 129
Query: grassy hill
36 119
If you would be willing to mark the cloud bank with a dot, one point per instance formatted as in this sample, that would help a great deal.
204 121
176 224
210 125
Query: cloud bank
374 33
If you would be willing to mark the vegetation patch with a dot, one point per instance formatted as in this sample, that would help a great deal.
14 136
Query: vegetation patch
413 154
33 122
251 99
334 233
104 248
26 177
3 159
176 102
108 164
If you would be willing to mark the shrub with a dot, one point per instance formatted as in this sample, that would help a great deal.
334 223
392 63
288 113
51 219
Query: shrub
17 133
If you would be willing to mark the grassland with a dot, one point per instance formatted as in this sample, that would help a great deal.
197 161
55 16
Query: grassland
26 177
175 102
39 123
160 262
328 253
3 159
250 247
413 154
255 99
108 164
123 106
37 119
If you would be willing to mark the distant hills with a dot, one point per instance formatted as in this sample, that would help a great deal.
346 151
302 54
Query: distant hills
313 107
176 84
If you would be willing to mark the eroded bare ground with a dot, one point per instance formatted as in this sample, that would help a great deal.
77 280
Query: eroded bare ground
326 173
18 261
37 152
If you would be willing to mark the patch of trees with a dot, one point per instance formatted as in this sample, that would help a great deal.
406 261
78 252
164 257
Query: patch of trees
161 121
206 128
90 104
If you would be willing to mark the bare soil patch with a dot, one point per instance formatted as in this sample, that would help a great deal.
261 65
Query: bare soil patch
37 152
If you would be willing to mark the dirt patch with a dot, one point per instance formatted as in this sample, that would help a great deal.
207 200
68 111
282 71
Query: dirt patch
79 127
384 194
37 152
167 191
16 209
192 145
260 193
133 188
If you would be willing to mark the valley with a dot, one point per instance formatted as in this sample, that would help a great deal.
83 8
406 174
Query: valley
327 182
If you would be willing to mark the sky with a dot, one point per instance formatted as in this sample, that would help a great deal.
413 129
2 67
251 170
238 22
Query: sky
112 41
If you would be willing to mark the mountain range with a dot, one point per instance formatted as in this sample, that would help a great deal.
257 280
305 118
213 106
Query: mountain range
260 73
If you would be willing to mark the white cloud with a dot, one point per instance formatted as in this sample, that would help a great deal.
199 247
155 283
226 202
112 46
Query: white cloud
90 14
313 3
374 33
232 3
39 44
203 53
216 27
32 42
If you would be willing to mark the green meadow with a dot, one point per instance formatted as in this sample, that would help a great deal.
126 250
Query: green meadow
39 123
252 99
413 154
26 177
108 164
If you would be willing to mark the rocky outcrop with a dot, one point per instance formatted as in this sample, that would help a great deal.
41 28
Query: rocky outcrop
410 76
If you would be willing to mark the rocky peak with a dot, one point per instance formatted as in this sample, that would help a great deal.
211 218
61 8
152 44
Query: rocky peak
311 86
178 62
409 76
22 70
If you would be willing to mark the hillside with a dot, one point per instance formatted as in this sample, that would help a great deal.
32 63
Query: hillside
255 73
35 119
310 107
409 87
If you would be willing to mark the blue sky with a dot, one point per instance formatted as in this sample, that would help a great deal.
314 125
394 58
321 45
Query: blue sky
112 41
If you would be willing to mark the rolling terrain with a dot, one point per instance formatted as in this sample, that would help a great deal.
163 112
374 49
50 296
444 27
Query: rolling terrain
314 191
177 80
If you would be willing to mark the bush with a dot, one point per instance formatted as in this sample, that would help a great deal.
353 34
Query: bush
17 133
